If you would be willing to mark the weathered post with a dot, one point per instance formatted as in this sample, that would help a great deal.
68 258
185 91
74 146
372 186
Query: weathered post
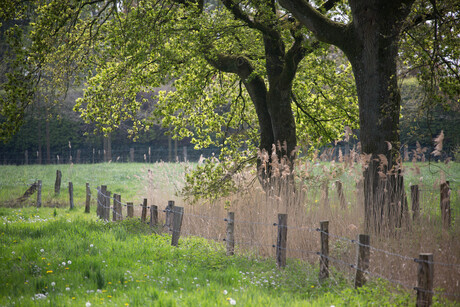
78 156
26 157
415 200
341 195
362 262
144 211
325 193
230 233
101 200
107 205
88 198
57 183
39 193
324 259
153 215
115 207
119 208
169 214
445 205
425 277
178 213
130 209
281 241
71 195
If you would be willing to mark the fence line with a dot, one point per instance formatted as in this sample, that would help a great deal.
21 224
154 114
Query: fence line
104 201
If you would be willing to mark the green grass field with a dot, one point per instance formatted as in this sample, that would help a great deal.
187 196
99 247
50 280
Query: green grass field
58 257
53 256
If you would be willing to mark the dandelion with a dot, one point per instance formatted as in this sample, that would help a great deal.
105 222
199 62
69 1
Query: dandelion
67 289
49 272
225 292
63 263
69 262
13 252
91 245
88 304
231 301
42 250
53 284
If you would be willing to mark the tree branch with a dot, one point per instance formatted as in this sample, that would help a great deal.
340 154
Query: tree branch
240 15
324 29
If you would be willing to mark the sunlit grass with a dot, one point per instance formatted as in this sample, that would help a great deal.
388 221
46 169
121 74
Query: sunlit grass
59 257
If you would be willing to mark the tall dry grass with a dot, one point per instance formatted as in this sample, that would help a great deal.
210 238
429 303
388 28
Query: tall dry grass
315 199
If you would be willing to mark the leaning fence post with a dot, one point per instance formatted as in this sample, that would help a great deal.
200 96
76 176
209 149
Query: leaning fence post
144 211
71 195
57 183
281 241
88 198
153 215
230 233
415 200
178 213
39 193
130 209
362 262
445 204
425 276
324 259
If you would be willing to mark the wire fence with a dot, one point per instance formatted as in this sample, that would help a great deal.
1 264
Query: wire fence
253 243
111 205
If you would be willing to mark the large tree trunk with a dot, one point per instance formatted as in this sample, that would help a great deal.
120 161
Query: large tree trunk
373 58
370 42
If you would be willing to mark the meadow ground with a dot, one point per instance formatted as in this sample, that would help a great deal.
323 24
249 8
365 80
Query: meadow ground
56 256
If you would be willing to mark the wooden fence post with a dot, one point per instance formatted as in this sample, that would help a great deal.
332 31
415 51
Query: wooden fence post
230 233
425 277
119 209
281 241
324 259
88 198
39 193
26 157
57 183
153 215
115 207
71 195
101 201
362 262
445 205
325 193
178 213
130 209
144 211
169 214
415 200
106 208
339 186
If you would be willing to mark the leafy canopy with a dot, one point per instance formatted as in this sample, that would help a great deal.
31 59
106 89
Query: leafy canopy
122 48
